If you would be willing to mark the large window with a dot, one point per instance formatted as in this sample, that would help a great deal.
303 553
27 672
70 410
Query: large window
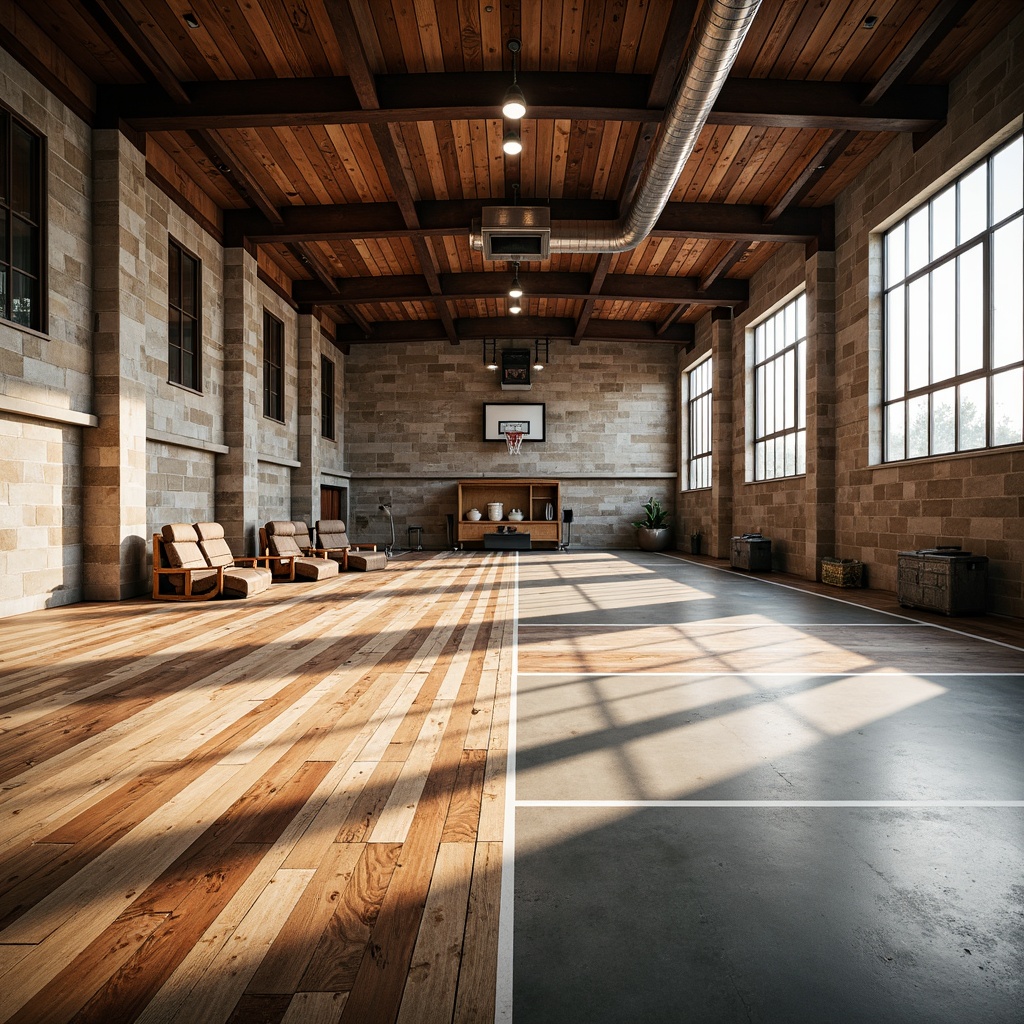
273 367
183 319
326 398
954 348
698 405
780 393
21 223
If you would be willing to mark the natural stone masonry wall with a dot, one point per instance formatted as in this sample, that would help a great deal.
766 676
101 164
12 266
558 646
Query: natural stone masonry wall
181 484
876 510
40 457
414 426
115 455
238 487
40 515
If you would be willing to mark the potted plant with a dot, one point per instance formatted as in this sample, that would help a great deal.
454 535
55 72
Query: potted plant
653 531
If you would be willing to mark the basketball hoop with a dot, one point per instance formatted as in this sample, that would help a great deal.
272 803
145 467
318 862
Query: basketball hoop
514 440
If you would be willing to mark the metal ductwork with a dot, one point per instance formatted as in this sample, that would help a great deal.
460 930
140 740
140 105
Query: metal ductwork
721 29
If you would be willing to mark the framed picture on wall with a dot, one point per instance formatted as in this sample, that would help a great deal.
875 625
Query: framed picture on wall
518 416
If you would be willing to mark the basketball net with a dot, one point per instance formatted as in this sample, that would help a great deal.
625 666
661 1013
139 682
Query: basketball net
514 440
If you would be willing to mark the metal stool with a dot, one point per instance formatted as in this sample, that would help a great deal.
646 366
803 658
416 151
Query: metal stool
418 530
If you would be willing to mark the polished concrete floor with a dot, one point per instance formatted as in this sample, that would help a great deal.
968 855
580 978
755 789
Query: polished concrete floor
734 801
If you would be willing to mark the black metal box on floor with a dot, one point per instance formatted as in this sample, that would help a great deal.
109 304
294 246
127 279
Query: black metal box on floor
507 541
944 580
751 552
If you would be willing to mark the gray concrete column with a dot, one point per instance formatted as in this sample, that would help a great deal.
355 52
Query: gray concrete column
821 403
114 455
238 471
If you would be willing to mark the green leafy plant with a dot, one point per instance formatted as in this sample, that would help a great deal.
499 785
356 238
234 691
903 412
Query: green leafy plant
656 517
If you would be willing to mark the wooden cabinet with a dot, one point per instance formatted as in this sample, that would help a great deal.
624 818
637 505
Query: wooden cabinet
531 497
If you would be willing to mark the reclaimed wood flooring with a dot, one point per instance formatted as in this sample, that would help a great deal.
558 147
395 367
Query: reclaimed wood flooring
276 810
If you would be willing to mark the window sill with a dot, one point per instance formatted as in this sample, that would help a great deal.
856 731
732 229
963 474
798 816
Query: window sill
977 453
185 387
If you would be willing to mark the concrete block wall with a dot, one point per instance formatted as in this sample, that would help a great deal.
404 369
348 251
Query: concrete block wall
414 427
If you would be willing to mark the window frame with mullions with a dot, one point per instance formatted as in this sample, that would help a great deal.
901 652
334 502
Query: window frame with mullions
699 425
966 381
34 219
328 428
178 313
769 355
273 367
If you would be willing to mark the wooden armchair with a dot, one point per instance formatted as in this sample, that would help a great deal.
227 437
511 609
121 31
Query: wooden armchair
278 545
242 577
334 541
180 570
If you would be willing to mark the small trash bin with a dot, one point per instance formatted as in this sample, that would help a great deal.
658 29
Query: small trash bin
416 538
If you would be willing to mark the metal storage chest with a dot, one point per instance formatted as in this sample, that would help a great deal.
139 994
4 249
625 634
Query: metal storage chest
751 552
944 580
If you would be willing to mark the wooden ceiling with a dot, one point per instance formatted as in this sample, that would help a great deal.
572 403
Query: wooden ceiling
352 142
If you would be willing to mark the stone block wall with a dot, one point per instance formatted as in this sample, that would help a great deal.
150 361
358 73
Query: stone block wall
414 427
171 408
873 510
40 514
275 490
181 485
48 374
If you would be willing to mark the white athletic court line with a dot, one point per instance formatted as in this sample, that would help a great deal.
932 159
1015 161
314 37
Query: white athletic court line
769 803
852 604
503 984
773 675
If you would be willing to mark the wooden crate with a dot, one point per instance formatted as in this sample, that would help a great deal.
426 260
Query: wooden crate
951 582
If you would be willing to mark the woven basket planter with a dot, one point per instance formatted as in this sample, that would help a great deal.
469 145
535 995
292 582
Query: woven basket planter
842 572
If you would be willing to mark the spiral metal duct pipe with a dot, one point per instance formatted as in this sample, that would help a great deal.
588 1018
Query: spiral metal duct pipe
721 29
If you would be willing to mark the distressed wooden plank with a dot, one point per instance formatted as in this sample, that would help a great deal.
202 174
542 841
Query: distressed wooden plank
430 989
341 948
464 811
475 1001
293 947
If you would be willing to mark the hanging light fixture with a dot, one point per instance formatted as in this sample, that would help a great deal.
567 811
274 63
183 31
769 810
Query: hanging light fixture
516 291
537 363
514 104
512 144
515 307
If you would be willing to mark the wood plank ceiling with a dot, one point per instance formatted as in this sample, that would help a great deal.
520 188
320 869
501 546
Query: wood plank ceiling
352 142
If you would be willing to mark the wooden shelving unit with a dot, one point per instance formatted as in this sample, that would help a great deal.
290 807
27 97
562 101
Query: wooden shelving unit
531 497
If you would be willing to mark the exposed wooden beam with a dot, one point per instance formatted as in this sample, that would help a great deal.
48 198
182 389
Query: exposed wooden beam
448 217
364 86
604 262
680 24
131 39
724 264
475 328
676 313
215 149
933 30
313 262
826 156
553 95
673 48
546 285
